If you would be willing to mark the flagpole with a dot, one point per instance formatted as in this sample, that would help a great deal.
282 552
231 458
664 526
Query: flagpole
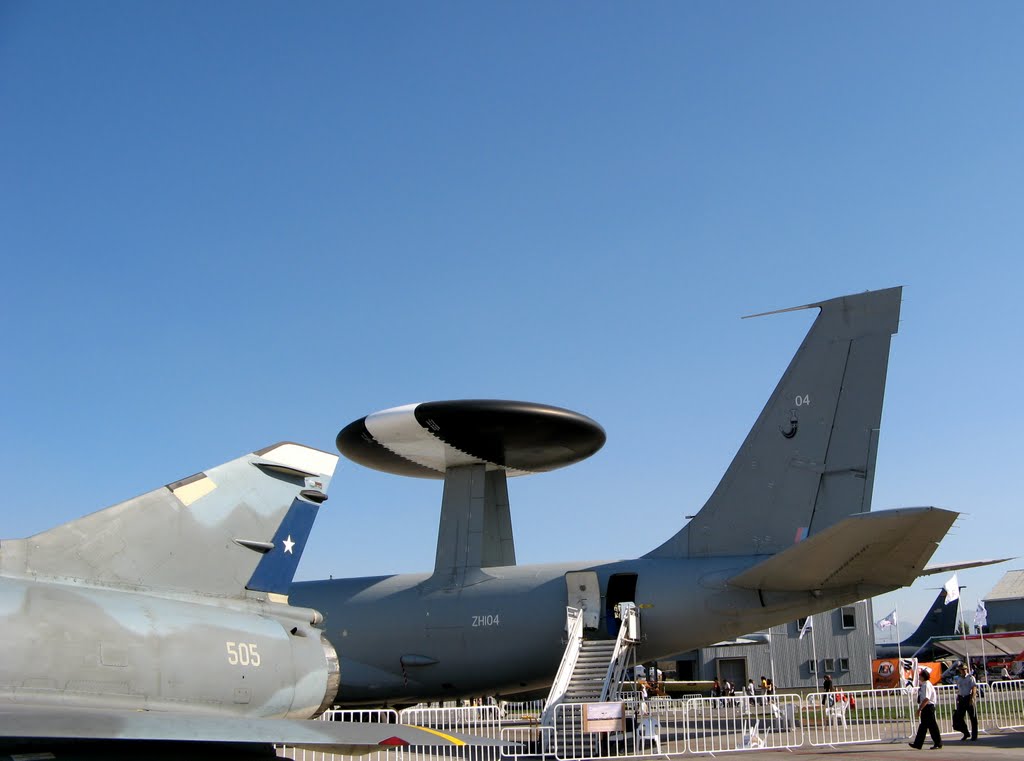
869 614
984 658
899 640
814 650
963 632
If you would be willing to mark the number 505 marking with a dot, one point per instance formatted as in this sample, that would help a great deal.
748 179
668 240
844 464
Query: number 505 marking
243 654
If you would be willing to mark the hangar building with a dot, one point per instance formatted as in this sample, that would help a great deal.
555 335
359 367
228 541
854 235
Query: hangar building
840 643
1005 603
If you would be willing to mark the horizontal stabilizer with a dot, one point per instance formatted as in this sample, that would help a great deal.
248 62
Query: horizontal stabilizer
36 727
947 567
887 549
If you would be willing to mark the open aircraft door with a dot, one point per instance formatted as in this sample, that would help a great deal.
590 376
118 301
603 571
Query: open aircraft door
584 592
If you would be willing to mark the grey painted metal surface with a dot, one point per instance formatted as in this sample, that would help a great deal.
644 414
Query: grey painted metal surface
785 534
163 618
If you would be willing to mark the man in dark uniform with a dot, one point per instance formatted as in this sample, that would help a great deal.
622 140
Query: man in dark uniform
966 693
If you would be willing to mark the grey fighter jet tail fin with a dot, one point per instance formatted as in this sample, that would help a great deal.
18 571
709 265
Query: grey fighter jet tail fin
809 460
236 527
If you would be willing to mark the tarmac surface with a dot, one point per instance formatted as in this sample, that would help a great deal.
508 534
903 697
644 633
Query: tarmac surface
990 746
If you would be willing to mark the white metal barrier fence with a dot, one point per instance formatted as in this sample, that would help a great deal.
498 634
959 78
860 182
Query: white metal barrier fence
859 716
666 727
1004 704
763 722
642 733
479 721
528 710
377 716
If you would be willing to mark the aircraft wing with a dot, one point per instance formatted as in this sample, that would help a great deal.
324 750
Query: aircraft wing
947 567
887 549
100 733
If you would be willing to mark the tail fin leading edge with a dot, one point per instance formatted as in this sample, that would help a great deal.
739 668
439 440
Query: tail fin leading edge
809 460
238 526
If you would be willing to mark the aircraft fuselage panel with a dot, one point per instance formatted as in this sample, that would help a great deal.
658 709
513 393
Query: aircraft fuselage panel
398 641
75 645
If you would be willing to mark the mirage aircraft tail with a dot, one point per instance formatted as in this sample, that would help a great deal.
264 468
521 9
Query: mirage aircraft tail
236 527
809 460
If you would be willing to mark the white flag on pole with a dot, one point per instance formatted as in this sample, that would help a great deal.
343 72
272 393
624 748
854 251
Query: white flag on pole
808 625
888 622
952 588
980 614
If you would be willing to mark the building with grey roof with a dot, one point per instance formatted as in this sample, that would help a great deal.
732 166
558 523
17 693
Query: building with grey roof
840 643
1005 603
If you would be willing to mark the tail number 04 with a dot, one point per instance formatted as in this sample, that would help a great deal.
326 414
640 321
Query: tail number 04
243 654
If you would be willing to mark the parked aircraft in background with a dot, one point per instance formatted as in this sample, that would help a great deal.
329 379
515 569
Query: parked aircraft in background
786 533
940 620
163 620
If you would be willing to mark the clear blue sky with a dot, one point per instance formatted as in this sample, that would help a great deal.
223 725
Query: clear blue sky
227 224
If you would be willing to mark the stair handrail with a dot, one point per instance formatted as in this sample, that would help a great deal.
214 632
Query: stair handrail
615 675
574 642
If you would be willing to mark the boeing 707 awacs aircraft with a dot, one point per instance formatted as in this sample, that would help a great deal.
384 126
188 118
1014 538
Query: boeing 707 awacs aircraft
786 533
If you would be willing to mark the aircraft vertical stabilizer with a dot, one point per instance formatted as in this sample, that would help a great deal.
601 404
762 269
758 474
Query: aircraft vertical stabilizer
241 525
809 460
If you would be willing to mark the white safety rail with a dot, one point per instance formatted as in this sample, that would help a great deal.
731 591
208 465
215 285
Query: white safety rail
624 642
574 641
526 710
741 722
378 716
646 734
478 721
859 716
984 706
527 742
663 727
945 706
1003 704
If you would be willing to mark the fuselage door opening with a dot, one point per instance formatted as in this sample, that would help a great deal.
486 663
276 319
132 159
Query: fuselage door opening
621 588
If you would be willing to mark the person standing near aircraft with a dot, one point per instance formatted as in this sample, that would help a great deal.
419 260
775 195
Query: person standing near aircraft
966 692
926 697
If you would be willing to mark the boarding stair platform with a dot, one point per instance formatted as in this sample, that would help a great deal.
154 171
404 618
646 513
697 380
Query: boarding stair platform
592 671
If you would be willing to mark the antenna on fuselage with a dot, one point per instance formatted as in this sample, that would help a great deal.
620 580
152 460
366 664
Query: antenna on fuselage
474 445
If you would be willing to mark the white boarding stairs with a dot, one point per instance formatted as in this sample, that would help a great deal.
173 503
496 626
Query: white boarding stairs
592 671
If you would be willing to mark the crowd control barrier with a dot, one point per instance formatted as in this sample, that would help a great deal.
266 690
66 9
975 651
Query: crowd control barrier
692 726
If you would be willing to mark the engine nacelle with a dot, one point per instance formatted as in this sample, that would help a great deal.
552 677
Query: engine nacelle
70 644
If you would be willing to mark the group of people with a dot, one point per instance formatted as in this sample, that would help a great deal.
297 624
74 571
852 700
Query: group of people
725 689
966 696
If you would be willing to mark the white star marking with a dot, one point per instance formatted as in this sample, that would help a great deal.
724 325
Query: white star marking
288 544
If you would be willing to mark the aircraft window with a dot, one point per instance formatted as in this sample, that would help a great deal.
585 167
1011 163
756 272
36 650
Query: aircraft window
844 664
849 617
830 664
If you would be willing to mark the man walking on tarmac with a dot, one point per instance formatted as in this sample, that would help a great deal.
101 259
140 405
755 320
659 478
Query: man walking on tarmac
966 692
926 697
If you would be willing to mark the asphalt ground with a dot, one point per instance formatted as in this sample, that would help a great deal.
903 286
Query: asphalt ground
990 746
